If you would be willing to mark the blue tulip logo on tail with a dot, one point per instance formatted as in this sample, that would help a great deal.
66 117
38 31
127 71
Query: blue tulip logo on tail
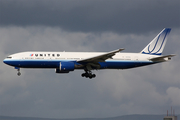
156 46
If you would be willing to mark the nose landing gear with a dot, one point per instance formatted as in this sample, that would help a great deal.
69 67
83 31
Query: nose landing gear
18 69
19 73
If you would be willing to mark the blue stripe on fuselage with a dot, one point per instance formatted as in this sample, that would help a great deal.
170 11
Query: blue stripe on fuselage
34 63
109 64
126 64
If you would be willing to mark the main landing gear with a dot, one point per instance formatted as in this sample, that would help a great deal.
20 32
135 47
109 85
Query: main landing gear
88 74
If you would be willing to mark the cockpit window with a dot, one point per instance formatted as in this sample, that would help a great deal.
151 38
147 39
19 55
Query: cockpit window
9 57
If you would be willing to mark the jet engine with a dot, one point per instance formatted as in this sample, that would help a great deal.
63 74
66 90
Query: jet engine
65 67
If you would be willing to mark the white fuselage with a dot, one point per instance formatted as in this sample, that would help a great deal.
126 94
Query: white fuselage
51 59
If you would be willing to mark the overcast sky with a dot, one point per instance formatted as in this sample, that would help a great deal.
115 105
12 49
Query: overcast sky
88 25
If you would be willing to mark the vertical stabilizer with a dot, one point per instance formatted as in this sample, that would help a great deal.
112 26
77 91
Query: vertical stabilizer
156 46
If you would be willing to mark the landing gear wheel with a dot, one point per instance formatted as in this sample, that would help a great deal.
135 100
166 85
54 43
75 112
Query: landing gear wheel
83 75
18 73
88 74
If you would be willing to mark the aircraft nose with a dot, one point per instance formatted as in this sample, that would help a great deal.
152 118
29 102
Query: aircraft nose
5 61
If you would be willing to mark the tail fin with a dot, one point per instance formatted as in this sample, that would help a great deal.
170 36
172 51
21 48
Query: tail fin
156 46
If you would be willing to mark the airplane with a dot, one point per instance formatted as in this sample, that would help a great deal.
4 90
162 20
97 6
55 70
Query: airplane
65 62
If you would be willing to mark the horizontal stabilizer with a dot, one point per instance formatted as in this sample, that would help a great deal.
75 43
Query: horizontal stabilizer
162 58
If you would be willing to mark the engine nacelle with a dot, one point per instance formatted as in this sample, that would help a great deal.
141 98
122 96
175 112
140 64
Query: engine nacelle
59 71
65 67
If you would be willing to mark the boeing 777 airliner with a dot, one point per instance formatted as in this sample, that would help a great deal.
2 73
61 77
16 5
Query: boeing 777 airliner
64 62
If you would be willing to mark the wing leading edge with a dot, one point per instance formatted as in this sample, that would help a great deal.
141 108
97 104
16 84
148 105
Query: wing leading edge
100 58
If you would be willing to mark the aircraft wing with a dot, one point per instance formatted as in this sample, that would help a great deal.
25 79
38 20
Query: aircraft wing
162 58
100 58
